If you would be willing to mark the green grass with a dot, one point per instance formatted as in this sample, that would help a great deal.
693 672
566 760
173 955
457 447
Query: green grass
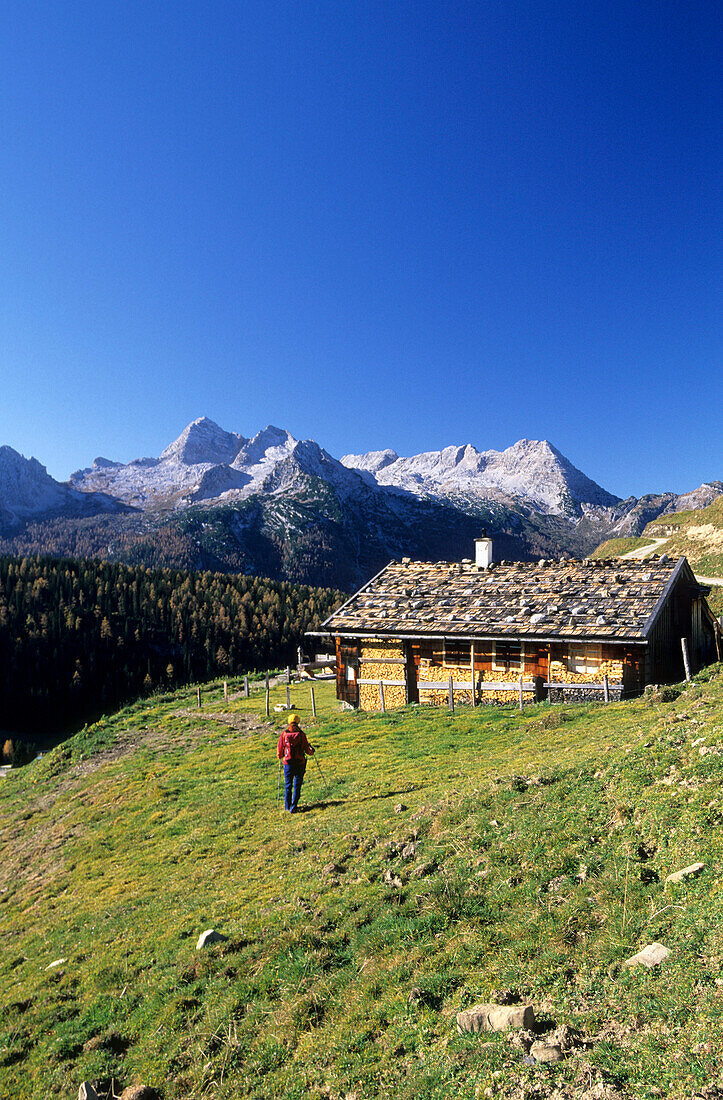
615 548
126 842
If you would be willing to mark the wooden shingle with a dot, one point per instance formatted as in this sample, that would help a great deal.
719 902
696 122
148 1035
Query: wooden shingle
613 599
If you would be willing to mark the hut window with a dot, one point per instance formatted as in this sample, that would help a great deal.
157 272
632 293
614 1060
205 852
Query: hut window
507 656
455 654
583 658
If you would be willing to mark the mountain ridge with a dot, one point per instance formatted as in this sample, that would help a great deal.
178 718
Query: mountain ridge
287 508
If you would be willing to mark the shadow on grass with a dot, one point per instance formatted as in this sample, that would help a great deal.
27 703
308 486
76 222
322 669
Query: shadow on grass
351 801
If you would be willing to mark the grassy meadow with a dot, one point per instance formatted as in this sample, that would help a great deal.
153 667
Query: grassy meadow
528 861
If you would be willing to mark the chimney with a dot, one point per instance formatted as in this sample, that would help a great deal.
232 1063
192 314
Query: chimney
483 551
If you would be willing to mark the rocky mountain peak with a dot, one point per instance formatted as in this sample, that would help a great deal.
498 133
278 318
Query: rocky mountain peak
203 441
27 490
531 470
270 444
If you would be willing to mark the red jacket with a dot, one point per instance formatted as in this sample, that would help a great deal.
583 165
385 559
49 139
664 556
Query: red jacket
293 749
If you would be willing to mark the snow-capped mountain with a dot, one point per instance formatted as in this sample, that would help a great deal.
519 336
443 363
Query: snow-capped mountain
531 471
283 507
27 490
208 464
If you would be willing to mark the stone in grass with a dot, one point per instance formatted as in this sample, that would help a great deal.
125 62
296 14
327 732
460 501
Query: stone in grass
423 869
139 1092
54 963
399 808
686 872
489 1017
87 1092
546 1052
209 936
650 956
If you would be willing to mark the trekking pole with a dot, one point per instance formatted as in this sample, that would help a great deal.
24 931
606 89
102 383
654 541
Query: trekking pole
278 786
321 773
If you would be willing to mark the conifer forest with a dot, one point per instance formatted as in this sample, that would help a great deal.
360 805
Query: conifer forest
80 638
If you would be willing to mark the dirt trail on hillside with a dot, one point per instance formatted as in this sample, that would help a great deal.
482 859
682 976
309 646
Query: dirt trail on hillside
642 551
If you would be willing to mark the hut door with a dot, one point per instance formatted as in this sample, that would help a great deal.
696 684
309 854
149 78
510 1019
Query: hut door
538 663
348 674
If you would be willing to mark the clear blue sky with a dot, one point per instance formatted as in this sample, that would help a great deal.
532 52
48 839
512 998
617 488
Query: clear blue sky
378 224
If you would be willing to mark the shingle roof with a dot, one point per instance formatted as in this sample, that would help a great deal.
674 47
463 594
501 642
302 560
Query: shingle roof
612 599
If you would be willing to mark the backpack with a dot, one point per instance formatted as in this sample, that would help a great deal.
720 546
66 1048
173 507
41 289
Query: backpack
295 746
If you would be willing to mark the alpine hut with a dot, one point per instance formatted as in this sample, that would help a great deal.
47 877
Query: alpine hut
563 630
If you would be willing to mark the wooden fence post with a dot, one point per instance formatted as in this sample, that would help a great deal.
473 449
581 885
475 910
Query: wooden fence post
451 695
288 674
198 697
521 698
381 697
471 661
606 688
267 702
313 701
246 686
686 658
288 697
225 689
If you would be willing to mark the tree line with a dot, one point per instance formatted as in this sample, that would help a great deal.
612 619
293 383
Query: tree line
80 638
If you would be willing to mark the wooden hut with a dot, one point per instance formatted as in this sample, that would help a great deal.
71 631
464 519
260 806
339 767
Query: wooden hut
563 630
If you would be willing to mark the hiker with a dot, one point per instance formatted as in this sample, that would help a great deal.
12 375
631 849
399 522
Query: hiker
293 748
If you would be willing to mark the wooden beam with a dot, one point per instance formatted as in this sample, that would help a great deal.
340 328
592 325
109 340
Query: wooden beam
382 661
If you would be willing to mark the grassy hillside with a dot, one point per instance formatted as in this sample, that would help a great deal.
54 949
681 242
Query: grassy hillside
698 534
540 842
615 548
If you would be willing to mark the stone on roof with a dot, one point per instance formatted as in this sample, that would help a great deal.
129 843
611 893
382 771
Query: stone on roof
604 599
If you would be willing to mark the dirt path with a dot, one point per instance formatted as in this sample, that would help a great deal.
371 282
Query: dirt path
652 547
642 551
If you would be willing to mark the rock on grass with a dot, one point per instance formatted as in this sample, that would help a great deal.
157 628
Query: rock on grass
491 1017
209 936
650 956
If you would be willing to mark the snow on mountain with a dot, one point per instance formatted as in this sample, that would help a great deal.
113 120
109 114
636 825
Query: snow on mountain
203 443
27 490
372 461
206 463
181 471
260 455
317 518
305 460
530 470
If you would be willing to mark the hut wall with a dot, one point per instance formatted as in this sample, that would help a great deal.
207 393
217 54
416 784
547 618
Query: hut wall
492 675
559 673
436 673
370 668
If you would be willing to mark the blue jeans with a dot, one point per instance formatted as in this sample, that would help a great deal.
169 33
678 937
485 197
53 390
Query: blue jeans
293 778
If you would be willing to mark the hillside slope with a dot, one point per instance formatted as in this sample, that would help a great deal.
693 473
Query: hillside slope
488 855
697 533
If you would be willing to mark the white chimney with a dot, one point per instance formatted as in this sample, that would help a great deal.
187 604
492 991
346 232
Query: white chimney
483 552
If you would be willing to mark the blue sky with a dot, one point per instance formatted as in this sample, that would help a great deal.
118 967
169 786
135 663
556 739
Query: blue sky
397 224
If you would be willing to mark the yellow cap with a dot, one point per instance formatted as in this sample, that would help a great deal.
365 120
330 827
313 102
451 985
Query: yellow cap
293 718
